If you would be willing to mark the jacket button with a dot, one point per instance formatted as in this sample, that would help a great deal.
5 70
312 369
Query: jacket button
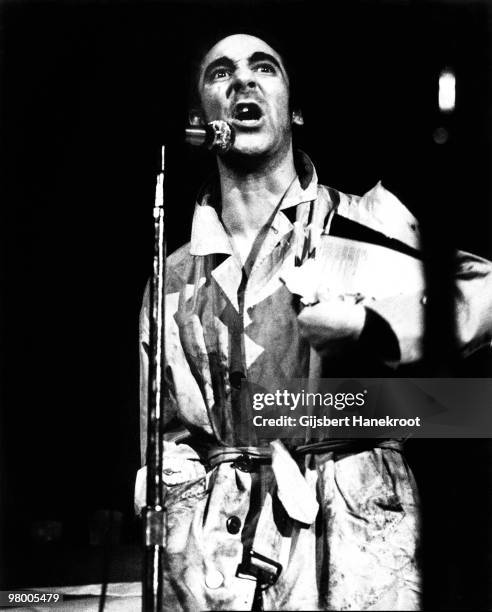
233 524
213 579
236 378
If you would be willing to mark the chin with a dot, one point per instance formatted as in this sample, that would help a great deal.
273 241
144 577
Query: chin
252 145
252 150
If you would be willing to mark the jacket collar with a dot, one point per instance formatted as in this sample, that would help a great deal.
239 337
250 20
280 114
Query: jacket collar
209 236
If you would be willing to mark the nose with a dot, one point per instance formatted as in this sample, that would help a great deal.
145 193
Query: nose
244 79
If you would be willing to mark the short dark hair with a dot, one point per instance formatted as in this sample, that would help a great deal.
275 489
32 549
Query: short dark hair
204 45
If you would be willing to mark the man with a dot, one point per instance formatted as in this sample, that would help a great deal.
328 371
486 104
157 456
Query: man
258 526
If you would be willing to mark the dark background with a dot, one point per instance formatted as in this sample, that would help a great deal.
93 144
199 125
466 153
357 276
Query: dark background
89 93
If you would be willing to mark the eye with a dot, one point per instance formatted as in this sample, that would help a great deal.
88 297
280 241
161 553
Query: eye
220 73
266 68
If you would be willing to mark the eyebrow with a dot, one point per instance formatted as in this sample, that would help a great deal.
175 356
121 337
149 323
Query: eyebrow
257 56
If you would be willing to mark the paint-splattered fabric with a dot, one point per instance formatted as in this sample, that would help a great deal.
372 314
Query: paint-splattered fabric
358 549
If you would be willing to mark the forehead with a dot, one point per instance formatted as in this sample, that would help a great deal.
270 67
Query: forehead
238 47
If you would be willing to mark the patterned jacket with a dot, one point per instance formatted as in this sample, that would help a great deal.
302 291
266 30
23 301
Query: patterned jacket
224 325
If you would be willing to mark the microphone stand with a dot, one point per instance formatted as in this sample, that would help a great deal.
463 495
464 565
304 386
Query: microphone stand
217 135
154 520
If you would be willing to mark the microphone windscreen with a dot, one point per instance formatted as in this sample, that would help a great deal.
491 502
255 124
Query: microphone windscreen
218 135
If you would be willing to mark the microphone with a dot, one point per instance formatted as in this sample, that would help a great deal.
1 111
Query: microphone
218 135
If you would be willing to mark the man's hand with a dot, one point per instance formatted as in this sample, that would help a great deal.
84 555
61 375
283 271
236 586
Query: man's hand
333 324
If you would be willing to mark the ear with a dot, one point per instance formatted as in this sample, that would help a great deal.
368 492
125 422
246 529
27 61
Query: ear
195 118
297 118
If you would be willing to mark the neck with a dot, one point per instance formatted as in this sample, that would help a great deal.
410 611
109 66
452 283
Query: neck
250 193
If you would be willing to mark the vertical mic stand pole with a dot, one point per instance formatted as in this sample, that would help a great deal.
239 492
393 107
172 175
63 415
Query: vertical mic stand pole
154 522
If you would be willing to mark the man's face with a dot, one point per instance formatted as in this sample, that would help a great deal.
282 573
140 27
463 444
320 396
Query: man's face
242 80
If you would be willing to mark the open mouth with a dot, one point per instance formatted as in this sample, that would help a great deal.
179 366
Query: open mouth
247 111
